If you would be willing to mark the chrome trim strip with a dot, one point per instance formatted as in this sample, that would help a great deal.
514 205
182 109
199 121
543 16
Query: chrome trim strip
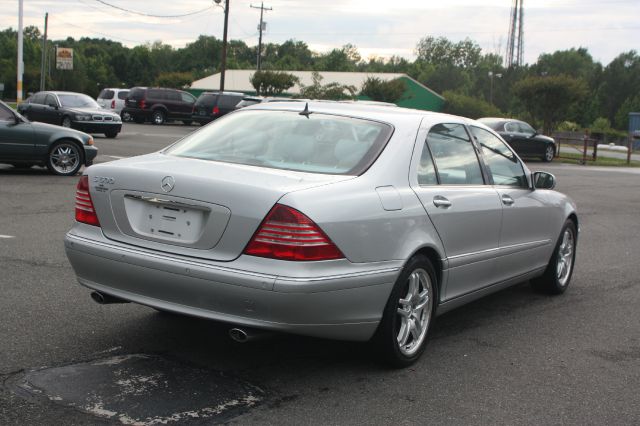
163 201
231 270
532 244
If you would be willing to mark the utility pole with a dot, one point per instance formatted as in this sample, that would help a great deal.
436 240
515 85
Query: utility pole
20 58
261 27
223 64
44 53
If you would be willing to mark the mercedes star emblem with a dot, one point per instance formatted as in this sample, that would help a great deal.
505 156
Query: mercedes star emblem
168 182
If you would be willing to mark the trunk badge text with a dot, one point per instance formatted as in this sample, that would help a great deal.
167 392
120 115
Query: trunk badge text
168 182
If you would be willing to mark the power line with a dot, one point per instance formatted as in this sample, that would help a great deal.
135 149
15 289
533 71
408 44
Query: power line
151 15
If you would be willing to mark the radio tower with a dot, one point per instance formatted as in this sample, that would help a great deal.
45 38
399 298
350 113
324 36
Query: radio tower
515 43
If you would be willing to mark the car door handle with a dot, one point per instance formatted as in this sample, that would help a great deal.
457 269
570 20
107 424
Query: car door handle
441 202
507 200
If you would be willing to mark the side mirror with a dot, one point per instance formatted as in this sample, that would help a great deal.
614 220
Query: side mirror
53 106
543 180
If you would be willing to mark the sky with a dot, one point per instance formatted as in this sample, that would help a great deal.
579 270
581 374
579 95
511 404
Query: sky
377 28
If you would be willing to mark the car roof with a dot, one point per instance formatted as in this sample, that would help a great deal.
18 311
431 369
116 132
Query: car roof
375 112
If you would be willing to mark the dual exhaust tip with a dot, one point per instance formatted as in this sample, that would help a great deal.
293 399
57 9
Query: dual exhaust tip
240 335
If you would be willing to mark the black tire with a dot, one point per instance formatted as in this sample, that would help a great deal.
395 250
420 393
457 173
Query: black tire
125 116
112 134
391 326
549 153
158 117
554 281
66 122
187 122
65 158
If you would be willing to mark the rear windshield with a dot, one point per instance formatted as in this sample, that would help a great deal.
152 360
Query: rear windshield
286 140
106 94
207 100
136 94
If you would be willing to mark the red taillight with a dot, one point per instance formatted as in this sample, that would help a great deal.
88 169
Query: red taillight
216 110
287 234
113 104
142 104
85 212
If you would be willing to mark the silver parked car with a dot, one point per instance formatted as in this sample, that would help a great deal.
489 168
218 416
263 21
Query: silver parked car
344 221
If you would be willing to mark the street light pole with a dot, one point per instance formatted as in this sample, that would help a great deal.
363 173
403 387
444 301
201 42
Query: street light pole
20 66
491 75
223 62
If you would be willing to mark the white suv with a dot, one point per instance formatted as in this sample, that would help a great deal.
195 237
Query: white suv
113 99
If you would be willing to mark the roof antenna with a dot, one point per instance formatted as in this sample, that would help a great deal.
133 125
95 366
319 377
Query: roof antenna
306 111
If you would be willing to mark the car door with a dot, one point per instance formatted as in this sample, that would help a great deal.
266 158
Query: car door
33 110
534 146
16 138
464 209
514 137
524 235
186 104
51 110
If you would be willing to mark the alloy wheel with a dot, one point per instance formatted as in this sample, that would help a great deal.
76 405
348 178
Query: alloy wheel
65 158
565 257
414 312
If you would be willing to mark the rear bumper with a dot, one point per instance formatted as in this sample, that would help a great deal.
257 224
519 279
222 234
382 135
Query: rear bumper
346 306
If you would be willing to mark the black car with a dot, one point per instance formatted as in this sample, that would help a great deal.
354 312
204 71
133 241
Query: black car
70 109
158 105
522 138
211 105
24 144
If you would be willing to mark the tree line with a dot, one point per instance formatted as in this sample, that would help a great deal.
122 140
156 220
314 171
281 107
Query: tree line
565 88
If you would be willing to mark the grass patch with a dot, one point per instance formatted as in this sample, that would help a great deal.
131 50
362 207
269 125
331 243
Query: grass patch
572 158
11 104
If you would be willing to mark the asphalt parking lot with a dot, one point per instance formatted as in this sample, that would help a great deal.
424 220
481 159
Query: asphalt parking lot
515 357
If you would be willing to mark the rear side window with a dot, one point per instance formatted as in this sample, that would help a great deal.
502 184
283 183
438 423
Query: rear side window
503 165
106 94
160 95
454 156
287 140
123 94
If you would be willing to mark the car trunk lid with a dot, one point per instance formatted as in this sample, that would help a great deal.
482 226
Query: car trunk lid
187 206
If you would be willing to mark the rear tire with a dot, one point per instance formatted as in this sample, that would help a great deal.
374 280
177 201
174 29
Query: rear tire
125 116
549 154
402 334
157 117
558 274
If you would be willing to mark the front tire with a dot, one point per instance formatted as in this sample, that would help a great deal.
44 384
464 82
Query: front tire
111 134
549 154
157 117
402 334
558 274
65 158
66 122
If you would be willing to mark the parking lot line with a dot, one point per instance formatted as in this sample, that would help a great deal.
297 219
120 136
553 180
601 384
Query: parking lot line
6 237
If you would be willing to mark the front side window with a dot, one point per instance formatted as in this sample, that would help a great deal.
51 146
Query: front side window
50 100
317 143
504 166
6 114
454 155
526 129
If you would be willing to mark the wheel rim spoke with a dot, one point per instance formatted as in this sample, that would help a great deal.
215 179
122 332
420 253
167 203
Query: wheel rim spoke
414 312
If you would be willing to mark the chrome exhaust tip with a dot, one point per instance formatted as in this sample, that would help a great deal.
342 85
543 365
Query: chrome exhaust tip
243 335
105 299
238 335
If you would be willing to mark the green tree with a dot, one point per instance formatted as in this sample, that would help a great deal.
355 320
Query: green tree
332 91
174 80
547 98
467 106
383 91
272 83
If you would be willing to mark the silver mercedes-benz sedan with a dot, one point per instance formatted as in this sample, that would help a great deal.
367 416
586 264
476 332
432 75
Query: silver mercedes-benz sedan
345 221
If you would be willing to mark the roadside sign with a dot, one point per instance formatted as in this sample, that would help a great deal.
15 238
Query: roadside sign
64 58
